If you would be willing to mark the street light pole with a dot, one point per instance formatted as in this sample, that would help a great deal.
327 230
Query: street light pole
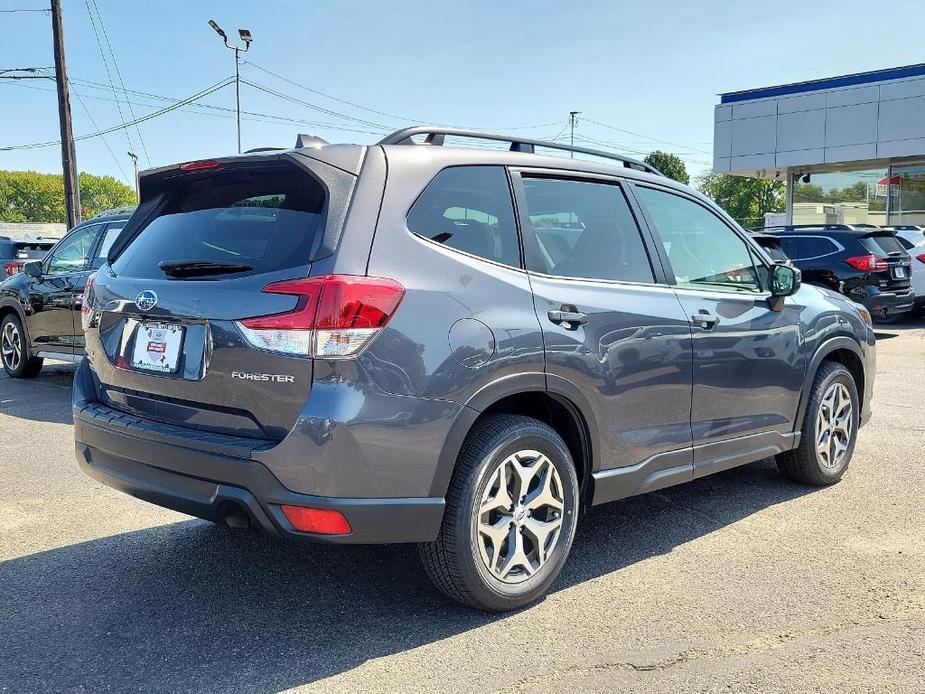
238 50
572 118
134 158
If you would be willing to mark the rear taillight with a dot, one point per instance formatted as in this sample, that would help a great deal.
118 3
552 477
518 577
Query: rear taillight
86 303
867 262
317 520
13 268
335 316
921 258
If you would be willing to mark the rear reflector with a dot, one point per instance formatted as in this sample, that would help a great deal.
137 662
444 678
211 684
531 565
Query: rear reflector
317 520
335 316
199 165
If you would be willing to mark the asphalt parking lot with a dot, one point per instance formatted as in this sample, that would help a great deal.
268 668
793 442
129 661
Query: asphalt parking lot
739 582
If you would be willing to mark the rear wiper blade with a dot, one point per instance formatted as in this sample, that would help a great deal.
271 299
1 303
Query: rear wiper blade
195 268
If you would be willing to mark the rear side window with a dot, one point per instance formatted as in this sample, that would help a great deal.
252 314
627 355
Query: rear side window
586 230
266 219
469 208
816 247
883 245
791 246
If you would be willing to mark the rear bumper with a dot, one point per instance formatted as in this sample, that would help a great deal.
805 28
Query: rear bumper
889 303
113 449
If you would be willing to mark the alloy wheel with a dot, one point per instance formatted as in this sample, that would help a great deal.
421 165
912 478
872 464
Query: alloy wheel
833 426
520 516
11 346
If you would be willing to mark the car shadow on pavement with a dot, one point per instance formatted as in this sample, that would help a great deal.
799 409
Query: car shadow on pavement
189 606
40 398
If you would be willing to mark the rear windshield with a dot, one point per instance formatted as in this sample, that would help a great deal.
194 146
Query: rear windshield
883 244
265 219
30 250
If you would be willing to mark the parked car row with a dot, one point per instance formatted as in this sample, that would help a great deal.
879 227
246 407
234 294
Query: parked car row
882 268
14 253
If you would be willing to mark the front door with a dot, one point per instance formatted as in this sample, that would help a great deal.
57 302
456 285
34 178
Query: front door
748 364
613 329
54 319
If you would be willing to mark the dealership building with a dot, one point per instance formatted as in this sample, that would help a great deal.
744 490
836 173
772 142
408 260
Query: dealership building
850 149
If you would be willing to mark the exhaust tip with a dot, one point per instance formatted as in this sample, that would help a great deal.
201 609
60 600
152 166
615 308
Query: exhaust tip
236 518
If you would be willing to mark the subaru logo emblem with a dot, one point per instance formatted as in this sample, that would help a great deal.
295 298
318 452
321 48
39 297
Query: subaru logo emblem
146 300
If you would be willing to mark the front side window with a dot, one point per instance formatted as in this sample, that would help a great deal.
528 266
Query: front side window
703 250
469 208
73 252
585 230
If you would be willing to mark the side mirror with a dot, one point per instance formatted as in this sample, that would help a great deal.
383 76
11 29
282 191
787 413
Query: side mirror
785 280
33 269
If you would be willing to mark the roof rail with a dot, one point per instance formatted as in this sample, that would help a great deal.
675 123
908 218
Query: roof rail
127 209
435 135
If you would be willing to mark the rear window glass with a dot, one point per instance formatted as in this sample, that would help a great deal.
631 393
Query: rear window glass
31 250
883 245
263 219
469 208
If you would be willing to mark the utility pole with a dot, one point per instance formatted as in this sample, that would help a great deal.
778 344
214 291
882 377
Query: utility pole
68 153
246 38
572 119
134 158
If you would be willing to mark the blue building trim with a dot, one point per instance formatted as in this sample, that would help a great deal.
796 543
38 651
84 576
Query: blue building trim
860 78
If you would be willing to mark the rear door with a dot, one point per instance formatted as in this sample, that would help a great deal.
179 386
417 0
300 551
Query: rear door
194 261
54 321
748 362
612 327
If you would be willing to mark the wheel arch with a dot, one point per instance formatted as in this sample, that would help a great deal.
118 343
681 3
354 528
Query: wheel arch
554 403
841 349
8 306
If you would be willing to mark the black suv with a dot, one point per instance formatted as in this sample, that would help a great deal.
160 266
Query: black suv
40 306
460 347
865 263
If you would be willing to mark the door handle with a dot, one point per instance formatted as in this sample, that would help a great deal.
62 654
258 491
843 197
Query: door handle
705 319
568 317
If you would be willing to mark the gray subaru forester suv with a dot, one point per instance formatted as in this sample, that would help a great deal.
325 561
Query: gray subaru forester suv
461 347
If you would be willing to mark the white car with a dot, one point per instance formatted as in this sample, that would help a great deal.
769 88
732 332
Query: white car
913 240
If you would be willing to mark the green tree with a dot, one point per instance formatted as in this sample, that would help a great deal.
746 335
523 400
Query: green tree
28 196
670 165
745 199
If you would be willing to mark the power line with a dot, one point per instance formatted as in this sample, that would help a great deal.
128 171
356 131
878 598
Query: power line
115 64
645 137
167 109
225 112
99 45
103 138
315 107
25 9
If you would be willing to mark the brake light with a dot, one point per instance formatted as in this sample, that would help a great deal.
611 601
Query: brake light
335 316
317 520
199 165
921 258
13 268
867 262
86 303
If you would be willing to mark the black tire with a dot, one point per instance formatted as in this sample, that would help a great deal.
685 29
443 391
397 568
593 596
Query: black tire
804 464
454 561
25 365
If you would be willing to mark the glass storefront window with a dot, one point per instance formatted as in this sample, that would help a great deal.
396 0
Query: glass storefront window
841 197
907 194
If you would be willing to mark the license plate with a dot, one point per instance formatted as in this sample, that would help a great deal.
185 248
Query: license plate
899 272
157 347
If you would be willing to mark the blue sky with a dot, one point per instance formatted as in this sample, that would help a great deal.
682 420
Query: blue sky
650 68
